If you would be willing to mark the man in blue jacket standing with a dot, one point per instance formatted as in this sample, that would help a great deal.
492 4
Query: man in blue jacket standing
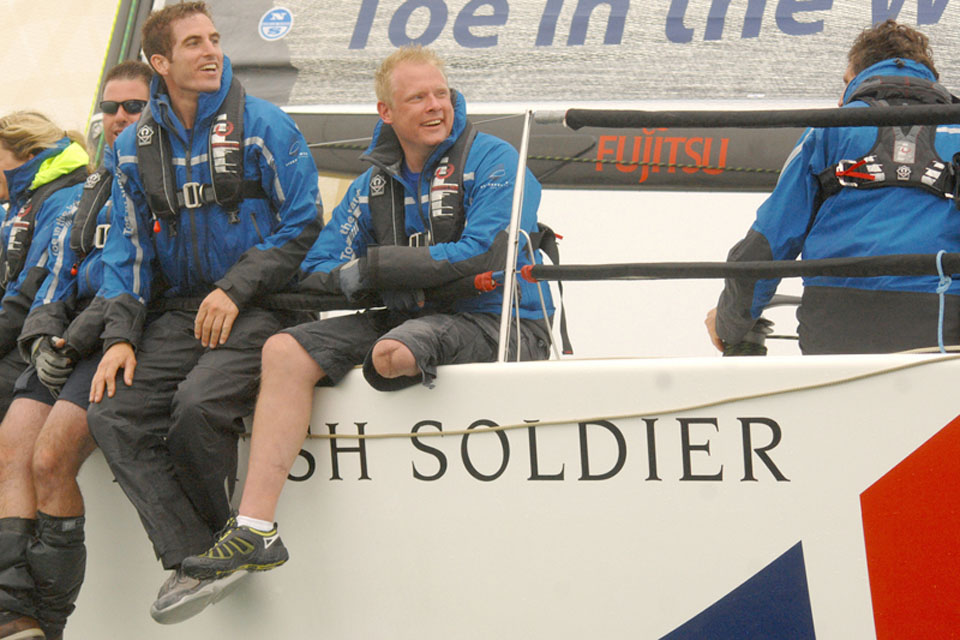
861 191
434 208
216 195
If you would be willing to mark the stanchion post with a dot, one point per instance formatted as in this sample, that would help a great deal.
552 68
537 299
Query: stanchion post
510 269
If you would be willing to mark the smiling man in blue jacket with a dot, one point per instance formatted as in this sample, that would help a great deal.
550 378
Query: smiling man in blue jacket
434 208
861 191
216 196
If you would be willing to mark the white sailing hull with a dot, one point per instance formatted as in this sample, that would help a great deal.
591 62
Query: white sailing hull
587 526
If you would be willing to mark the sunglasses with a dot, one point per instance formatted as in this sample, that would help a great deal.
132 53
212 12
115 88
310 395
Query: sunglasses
130 106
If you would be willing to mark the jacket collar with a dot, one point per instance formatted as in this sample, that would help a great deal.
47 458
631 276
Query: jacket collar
64 157
208 104
890 67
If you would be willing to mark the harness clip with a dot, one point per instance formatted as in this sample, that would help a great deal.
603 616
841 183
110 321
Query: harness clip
420 239
848 176
100 236
192 195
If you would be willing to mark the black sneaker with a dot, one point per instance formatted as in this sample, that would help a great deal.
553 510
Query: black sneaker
183 597
16 626
239 548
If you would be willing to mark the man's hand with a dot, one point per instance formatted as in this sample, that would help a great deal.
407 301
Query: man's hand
352 283
711 324
119 356
54 362
405 300
215 319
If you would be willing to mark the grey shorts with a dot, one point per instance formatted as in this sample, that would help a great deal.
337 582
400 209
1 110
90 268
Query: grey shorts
75 390
338 344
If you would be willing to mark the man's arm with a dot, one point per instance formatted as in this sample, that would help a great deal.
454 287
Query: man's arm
127 272
343 239
488 202
127 261
53 219
288 174
55 299
778 233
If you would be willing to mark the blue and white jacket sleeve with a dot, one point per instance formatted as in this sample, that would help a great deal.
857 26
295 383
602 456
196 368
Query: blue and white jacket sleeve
54 218
55 301
778 233
127 263
345 237
289 177
488 200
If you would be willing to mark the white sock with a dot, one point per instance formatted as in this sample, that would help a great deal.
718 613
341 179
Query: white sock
253 523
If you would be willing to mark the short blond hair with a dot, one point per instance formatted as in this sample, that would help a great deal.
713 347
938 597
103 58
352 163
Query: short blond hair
383 80
27 133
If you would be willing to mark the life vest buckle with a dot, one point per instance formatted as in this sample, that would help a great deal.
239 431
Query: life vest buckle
193 195
419 239
100 236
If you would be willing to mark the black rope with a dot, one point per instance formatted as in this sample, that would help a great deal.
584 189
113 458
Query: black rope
872 117
870 267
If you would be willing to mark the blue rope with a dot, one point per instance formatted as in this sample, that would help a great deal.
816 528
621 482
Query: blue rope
945 282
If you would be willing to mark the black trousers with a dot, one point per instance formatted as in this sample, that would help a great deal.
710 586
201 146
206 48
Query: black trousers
171 438
42 564
835 320
11 366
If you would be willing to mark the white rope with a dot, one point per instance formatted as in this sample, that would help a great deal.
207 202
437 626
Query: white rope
642 414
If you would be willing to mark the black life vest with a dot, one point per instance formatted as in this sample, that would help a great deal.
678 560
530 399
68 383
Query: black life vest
13 255
86 235
447 218
901 156
447 215
224 156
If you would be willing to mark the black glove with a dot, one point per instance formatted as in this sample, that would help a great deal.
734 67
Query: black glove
405 300
53 365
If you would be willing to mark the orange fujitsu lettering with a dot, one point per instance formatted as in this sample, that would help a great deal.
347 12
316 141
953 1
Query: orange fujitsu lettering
721 161
602 150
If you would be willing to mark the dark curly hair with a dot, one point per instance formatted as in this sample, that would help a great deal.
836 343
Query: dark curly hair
890 40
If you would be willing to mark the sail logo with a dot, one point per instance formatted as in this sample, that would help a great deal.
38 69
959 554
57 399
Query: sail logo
275 24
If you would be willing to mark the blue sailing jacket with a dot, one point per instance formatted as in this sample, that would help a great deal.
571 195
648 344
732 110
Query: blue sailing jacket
489 179
892 220
52 220
255 256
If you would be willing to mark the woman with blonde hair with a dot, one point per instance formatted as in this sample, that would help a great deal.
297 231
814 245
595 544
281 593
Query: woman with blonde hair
44 167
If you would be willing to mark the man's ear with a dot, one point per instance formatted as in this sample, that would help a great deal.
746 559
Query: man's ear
385 112
160 64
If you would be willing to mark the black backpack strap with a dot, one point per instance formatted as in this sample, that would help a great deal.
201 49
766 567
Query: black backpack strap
96 193
545 239
225 151
21 229
228 187
155 164
447 217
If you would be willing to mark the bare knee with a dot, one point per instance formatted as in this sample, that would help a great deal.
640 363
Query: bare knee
284 358
46 465
62 447
18 436
392 359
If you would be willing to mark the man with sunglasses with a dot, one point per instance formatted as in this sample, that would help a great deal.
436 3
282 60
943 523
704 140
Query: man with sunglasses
44 438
